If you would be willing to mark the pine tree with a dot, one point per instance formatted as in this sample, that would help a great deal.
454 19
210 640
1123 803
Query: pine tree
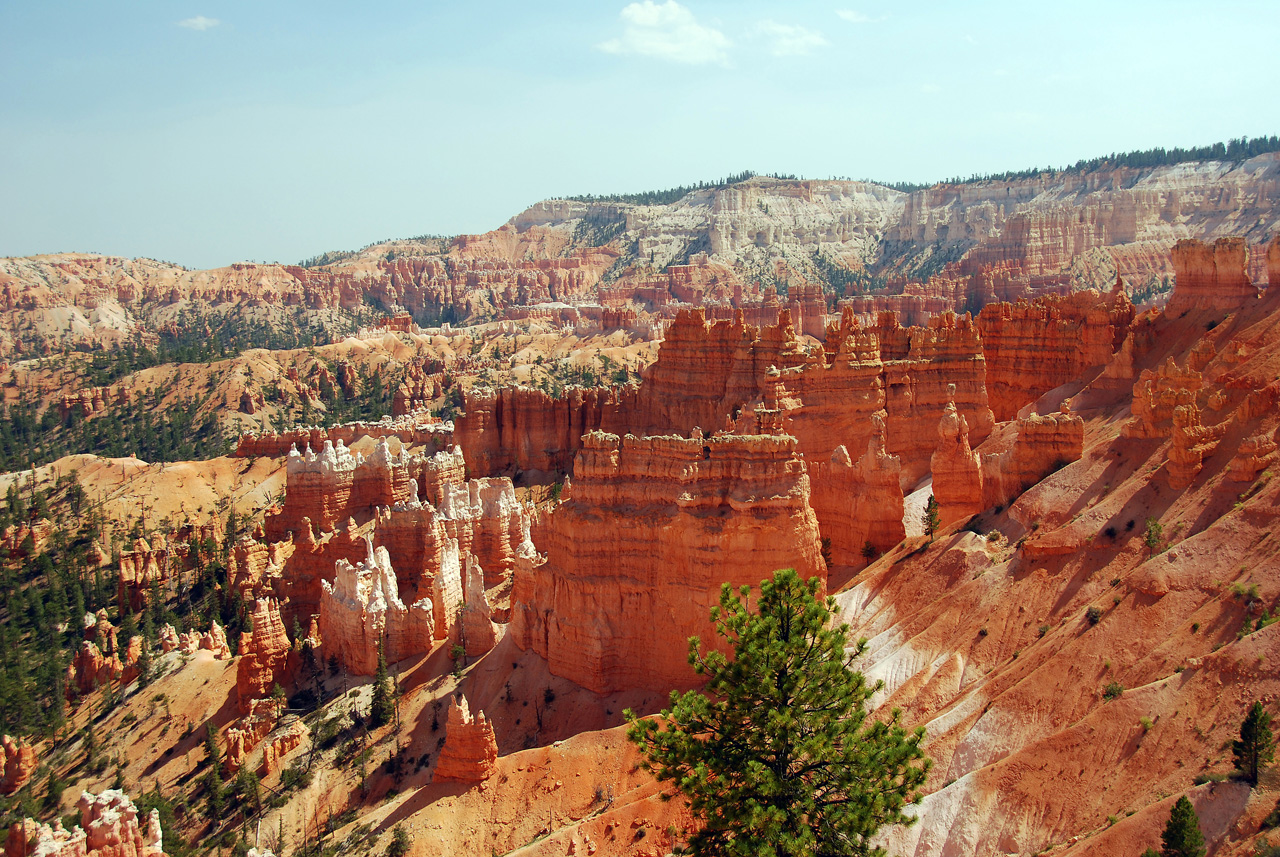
381 706
212 754
1256 746
777 756
930 518
145 664
1182 836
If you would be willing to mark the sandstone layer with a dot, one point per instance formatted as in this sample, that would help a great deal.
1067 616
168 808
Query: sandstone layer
637 553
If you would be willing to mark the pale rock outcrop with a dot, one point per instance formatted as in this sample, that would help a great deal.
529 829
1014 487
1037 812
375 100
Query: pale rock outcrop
282 745
333 485
169 639
479 633
447 595
488 520
109 827
1273 265
470 751
362 609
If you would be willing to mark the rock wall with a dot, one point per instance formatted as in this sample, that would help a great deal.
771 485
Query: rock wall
637 553
264 654
416 429
334 485
362 610
479 633
859 503
1042 445
1211 277
1031 347
707 373
516 429
487 520
1273 265
967 481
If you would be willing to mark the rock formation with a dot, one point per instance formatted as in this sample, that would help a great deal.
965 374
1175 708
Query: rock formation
90 669
479 634
1211 277
247 732
280 746
109 827
1256 453
361 610
1034 346
515 429
264 654
334 485
487 520
414 429
17 764
1273 265
470 751
1156 395
1041 445
651 528
859 503
967 481
1192 442
957 470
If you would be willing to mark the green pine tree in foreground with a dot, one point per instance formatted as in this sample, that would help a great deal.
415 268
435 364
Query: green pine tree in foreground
1182 836
776 756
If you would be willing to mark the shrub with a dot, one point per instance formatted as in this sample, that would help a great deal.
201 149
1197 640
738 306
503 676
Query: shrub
1154 534
400 842
1093 614
1112 690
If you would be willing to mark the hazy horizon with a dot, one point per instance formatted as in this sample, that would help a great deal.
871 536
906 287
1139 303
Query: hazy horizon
218 132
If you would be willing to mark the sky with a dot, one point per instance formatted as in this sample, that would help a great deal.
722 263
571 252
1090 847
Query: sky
204 132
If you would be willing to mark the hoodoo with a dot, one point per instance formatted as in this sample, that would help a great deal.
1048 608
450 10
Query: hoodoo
637 553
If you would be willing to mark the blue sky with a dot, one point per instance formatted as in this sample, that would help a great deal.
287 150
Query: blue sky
211 132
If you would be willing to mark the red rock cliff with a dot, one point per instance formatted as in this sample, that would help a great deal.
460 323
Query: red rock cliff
636 556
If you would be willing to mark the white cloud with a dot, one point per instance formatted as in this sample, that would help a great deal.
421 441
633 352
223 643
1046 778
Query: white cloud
199 22
790 40
855 17
667 31
930 88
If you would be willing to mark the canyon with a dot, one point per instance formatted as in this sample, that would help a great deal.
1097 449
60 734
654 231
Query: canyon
580 450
